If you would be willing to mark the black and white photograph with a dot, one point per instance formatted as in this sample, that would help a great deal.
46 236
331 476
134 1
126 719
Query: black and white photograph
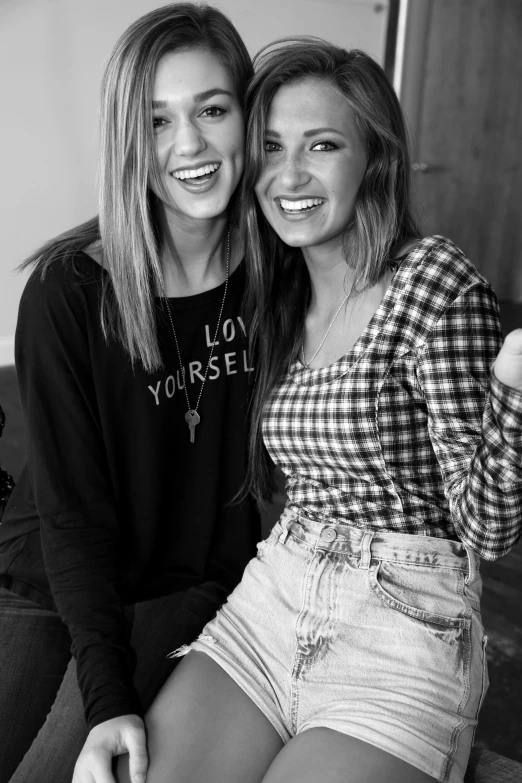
261 391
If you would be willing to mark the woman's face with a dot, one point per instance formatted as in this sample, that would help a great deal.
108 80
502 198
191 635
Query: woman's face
315 162
199 131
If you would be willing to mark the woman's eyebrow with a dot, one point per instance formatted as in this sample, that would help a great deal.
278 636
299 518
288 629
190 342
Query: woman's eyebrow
200 96
204 96
316 131
306 134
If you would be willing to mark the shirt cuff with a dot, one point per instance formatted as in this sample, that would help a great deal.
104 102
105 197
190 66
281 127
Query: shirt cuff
115 710
506 403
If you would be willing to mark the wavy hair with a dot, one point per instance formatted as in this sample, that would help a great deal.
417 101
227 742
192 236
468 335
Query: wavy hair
127 225
278 283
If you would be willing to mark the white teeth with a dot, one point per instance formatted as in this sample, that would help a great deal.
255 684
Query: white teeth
297 206
190 173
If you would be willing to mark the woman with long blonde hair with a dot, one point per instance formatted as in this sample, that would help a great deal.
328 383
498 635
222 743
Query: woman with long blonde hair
119 541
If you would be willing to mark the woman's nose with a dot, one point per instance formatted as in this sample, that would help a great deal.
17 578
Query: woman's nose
293 173
188 140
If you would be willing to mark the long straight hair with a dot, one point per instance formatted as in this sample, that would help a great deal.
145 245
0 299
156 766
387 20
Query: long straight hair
278 283
128 171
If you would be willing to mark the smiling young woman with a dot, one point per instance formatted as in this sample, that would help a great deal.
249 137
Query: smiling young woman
120 540
353 650
199 130
313 172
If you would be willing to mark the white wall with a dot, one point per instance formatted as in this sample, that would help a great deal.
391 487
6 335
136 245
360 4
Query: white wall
52 54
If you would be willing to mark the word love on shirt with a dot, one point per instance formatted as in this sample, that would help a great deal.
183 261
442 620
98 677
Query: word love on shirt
229 362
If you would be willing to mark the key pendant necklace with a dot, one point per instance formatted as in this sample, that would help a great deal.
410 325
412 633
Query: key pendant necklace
192 416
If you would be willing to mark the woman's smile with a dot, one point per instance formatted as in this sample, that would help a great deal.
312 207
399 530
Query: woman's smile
198 180
203 171
299 209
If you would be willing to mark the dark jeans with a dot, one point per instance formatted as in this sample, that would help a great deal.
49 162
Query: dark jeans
42 727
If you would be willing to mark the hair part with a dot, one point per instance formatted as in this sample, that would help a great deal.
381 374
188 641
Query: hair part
278 283
127 226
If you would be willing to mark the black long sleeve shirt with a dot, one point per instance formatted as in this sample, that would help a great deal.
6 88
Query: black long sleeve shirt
116 504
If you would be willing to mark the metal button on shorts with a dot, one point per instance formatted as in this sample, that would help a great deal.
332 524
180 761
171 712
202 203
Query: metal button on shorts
328 535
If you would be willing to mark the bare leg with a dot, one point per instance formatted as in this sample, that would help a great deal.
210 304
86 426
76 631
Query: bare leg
203 727
331 757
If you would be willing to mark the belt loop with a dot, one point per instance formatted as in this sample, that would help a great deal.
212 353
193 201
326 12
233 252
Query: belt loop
286 517
472 566
366 550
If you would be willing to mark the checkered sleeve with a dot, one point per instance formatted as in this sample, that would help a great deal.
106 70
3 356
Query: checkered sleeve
507 409
474 433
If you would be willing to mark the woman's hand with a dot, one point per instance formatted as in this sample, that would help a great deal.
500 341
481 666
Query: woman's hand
508 364
111 738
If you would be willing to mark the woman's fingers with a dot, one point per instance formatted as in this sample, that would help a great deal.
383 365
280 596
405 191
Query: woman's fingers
114 737
138 758
94 767
508 364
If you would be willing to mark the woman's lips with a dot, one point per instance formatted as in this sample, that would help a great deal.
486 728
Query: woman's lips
299 208
197 180
198 172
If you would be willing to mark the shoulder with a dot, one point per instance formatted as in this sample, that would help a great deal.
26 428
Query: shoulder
441 260
64 275
64 284
437 281
439 271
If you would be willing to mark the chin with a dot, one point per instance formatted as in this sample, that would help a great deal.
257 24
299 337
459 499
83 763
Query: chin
209 214
293 239
206 211
292 242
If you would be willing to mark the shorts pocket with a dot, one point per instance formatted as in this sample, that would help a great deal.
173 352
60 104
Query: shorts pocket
485 677
431 595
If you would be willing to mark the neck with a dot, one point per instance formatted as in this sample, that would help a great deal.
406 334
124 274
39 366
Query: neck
331 279
194 254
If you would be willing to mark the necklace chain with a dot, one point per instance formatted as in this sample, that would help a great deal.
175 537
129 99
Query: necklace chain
308 363
192 416
394 265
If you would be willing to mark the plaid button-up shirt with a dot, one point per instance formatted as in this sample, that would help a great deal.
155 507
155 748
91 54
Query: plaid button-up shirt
410 431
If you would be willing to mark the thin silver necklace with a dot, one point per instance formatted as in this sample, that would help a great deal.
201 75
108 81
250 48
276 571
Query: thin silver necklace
192 416
309 362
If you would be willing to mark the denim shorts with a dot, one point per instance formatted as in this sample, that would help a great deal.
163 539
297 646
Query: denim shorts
376 635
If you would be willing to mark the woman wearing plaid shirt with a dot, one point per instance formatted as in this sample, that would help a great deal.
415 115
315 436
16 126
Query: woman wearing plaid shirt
353 650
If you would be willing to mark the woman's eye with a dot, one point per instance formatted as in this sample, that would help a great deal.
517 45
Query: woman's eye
324 146
271 146
158 122
212 111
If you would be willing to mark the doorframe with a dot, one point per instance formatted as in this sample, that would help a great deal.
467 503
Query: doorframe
390 44
413 23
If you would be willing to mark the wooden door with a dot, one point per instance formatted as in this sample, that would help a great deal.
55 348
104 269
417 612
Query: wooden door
466 120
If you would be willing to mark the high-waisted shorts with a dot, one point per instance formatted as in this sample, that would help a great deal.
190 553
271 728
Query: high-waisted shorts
373 634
